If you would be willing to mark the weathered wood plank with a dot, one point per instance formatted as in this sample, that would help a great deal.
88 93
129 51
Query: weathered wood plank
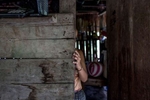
67 6
35 37
52 19
36 48
96 82
129 43
36 92
36 71
36 32
66 19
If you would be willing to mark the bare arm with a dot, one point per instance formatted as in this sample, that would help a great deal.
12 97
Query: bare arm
79 62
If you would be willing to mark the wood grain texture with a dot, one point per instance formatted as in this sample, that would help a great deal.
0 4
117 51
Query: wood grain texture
36 71
67 6
52 19
36 92
36 32
128 54
62 48
43 47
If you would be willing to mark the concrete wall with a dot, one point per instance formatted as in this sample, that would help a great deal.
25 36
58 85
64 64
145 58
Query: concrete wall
36 55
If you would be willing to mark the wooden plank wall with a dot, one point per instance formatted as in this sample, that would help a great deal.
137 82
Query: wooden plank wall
128 23
35 56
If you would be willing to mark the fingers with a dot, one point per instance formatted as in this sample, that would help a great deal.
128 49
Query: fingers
76 57
76 53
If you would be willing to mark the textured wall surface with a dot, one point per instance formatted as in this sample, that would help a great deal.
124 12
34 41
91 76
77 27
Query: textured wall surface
35 52
128 49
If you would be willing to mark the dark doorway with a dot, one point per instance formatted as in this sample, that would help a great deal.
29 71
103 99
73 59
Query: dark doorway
92 40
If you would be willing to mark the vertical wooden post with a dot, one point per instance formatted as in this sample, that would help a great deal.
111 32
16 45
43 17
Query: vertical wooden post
128 25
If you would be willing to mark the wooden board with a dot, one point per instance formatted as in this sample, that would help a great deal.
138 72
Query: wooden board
36 48
96 82
36 32
43 47
67 6
36 71
52 19
128 50
36 92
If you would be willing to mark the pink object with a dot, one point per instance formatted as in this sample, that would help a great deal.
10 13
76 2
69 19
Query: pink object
95 69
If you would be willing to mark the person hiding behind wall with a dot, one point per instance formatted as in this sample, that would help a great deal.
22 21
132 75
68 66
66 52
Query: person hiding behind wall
80 74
